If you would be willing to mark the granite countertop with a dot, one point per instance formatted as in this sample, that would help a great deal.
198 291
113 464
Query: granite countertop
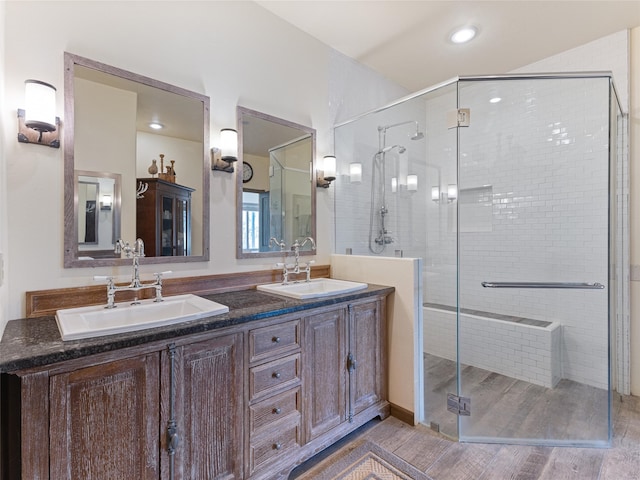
34 342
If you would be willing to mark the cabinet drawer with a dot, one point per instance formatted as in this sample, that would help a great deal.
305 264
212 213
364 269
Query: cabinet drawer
274 409
274 445
274 340
273 376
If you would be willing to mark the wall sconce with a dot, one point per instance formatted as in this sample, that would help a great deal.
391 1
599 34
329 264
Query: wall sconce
355 172
412 183
106 202
223 158
452 192
38 123
326 171
450 196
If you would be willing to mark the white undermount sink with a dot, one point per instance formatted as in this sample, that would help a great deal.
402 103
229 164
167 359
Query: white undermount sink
96 321
318 287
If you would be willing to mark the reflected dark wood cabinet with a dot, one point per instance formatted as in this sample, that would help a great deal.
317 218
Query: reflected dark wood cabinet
163 218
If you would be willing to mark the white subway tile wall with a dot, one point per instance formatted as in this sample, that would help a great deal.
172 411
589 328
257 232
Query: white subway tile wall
539 160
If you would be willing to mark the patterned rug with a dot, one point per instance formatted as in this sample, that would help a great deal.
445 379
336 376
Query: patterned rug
365 461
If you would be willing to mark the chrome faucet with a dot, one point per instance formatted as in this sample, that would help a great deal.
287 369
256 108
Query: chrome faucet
294 268
136 285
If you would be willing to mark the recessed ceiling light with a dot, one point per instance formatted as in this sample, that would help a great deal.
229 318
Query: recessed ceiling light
494 100
463 35
156 125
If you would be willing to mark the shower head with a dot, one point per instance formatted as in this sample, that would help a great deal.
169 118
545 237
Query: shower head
417 136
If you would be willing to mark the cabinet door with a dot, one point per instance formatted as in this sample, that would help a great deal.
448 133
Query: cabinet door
366 356
104 421
208 380
324 385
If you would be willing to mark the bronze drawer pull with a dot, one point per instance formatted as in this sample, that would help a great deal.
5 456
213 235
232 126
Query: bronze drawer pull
277 446
275 374
275 339
277 411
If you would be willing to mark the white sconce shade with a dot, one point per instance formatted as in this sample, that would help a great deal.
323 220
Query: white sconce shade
412 183
106 202
325 171
40 106
355 172
394 185
452 192
229 144
435 194
329 167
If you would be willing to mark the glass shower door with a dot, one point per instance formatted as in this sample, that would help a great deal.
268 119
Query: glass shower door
533 261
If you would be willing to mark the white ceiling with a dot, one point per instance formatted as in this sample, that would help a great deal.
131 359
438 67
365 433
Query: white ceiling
407 41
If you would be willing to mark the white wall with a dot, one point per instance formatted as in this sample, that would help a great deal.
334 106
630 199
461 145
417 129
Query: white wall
4 289
634 142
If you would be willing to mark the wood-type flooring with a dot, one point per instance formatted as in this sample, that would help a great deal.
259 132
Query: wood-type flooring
441 458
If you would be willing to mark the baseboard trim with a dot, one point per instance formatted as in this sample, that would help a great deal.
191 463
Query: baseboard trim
402 414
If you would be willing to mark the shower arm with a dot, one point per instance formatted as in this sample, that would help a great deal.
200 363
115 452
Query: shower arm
383 130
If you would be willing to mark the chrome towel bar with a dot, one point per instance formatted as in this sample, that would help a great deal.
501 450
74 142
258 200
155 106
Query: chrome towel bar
590 286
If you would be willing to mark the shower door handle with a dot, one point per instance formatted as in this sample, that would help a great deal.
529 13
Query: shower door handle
584 285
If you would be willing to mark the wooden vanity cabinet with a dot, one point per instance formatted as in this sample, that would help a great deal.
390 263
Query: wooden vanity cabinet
104 417
163 218
343 356
250 401
325 362
207 404
104 420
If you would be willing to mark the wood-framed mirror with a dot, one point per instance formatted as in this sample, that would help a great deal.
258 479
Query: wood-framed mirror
108 112
275 194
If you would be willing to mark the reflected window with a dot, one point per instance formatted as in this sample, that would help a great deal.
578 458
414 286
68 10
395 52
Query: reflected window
250 221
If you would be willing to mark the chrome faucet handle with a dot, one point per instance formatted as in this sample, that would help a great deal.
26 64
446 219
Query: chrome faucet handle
158 284
279 243
160 274
108 278
308 269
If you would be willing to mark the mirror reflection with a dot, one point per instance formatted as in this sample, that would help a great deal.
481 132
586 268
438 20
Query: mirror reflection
154 138
276 198
98 213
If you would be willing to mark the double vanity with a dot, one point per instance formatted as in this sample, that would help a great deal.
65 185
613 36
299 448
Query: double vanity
236 382
246 393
